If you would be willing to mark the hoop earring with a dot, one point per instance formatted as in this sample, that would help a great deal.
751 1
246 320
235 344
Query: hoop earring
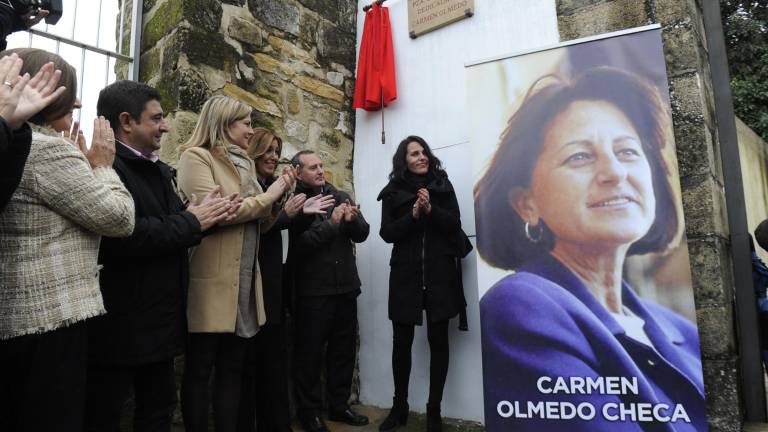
534 238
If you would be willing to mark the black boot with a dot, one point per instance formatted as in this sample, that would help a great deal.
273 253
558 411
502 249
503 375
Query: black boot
397 417
434 422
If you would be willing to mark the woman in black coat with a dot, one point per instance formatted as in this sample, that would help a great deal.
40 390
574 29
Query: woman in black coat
420 216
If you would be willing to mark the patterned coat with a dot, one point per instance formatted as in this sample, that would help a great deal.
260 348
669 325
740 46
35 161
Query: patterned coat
49 238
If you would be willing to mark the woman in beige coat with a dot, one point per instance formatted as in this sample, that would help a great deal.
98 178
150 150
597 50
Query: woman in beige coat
225 305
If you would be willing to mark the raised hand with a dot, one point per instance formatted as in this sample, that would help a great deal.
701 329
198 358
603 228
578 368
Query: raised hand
40 91
294 204
318 204
338 214
102 151
76 137
289 173
350 211
10 91
278 188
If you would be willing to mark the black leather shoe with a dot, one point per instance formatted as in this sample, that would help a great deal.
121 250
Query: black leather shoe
348 416
314 424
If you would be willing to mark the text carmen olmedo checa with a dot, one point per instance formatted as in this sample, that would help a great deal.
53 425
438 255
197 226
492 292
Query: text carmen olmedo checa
611 411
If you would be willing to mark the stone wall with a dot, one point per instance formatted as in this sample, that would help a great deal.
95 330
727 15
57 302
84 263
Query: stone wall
700 175
291 60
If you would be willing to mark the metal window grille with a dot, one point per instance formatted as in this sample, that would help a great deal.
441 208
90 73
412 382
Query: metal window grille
90 36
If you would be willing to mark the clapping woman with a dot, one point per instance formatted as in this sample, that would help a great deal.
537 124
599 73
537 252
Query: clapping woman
264 402
420 216
225 305
49 243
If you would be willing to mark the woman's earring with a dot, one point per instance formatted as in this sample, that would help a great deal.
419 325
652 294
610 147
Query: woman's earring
537 235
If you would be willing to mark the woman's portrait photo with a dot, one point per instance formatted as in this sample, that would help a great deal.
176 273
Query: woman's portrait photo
586 302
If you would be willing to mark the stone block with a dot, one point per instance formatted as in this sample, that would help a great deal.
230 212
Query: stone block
203 15
293 100
334 44
336 79
685 94
149 65
270 86
722 392
258 103
193 90
680 53
716 330
308 27
589 18
704 207
694 148
245 31
672 11
209 49
711 272
297 130
269 64
290 51
319 88
326 8
166 18
280 14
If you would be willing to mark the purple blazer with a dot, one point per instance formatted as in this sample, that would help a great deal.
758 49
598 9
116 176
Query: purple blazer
543 322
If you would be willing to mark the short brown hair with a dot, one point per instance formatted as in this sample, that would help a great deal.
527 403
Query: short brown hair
34 59
501 236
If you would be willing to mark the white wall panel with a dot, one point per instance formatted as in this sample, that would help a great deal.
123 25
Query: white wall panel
432 103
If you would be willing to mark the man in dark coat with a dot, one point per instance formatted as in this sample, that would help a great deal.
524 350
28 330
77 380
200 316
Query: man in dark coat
326 285
144 277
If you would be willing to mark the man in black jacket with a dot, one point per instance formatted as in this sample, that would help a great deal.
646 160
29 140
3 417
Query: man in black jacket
144 277
326 283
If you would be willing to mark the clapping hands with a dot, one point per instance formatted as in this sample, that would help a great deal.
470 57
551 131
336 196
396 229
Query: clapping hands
214 208
422 204
346 211
318 204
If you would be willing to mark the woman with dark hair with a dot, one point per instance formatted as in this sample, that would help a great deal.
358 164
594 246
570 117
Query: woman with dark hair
578 183
420 216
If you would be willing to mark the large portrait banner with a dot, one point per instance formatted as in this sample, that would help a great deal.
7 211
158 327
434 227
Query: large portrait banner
586 302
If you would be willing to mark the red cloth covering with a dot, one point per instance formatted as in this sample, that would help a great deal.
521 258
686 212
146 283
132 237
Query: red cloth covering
376 63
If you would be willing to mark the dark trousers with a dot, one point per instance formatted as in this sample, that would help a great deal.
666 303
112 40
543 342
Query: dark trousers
225 352
322 320
264 393
109 385
42 381
437 335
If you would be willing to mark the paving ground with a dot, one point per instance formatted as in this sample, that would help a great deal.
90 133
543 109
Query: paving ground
417 423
